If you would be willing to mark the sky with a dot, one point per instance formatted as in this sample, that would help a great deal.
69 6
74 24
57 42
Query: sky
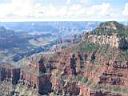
63 10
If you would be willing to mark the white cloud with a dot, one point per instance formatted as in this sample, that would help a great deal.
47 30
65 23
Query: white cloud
28 9
68 2
17 8
85 2
99 11
78 11
125 11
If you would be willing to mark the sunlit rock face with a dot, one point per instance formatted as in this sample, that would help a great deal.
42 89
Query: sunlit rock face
112 40
111 33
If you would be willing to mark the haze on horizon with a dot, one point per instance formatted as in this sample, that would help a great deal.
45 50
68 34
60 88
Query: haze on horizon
63 10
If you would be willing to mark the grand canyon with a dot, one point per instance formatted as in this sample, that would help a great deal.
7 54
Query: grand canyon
91 63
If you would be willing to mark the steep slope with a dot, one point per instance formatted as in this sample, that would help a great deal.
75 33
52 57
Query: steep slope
85 69
100 70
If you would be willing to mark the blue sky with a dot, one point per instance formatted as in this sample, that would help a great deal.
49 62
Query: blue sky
88 10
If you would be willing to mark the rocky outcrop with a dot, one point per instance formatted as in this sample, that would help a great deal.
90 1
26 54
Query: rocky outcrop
111 33
112 40
45 85
10 73
71 89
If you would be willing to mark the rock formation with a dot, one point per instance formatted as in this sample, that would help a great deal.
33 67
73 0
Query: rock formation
93 67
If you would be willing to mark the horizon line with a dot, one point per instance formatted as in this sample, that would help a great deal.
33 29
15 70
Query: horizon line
59 20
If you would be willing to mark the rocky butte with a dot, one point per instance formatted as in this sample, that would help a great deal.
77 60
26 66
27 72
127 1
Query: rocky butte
95 66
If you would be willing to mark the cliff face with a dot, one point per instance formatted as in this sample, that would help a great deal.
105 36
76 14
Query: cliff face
112 40
98 72
110 33
100 66
93 67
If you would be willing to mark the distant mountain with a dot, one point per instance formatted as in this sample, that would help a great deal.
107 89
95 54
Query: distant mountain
63 27
29 26
10 39
17 39
17 45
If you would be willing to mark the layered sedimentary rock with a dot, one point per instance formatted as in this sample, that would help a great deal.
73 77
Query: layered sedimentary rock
93 67
10 73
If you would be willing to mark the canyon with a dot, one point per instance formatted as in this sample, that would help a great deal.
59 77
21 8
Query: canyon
95 66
